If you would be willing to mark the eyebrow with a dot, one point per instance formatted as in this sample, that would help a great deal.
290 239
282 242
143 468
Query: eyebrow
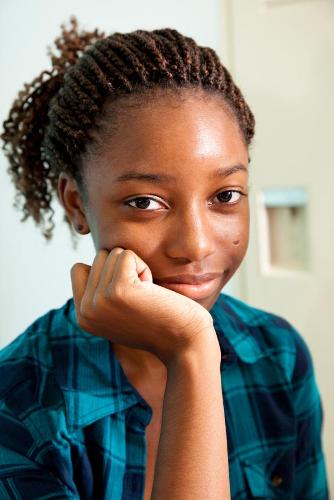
160 178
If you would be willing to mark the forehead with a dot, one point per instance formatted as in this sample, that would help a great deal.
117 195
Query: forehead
173 135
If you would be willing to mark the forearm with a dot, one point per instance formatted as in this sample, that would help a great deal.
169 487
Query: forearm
192 459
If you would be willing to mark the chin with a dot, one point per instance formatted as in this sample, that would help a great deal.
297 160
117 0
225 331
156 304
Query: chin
208 302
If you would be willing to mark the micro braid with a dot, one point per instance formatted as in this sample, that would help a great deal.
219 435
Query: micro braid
55 120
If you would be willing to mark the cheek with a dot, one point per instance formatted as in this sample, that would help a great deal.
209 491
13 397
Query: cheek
240 239
234 249
131 238
234 231
240 246
234 238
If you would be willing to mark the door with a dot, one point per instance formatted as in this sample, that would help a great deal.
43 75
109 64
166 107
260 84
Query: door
281 54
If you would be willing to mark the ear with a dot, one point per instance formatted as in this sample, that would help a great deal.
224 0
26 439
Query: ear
69 197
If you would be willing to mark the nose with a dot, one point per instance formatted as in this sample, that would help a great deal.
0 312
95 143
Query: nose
190 235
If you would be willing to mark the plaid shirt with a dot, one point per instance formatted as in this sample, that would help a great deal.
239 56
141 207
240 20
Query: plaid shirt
72 426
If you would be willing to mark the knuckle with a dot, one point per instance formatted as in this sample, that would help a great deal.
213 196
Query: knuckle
99 302
118 293
85 311
74 268
127 252
103 251
117 250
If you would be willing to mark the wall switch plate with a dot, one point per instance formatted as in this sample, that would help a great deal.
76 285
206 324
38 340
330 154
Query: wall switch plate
283 230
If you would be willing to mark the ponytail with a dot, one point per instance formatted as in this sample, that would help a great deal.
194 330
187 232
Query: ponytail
24 129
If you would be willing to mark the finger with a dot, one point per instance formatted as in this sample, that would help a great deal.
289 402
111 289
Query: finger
97 268
107 272
79 277
95 272
127 268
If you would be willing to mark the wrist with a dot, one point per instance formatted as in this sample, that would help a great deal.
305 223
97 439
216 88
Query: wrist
204 349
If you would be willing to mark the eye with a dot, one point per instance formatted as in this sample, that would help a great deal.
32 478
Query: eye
225 197
142 201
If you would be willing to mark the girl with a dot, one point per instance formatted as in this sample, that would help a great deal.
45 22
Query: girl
149 383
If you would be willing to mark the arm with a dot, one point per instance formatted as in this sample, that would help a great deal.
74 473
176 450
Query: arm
311 482
192 460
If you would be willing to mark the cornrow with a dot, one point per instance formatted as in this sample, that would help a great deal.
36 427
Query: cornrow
52 121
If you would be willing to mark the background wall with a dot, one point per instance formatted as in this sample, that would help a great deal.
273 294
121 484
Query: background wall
281 54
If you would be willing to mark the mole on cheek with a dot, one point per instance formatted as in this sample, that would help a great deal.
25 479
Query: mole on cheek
236 242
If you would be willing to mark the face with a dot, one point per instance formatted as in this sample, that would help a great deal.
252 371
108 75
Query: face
183 205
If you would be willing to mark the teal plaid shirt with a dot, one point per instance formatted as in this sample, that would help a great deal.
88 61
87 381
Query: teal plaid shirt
72 425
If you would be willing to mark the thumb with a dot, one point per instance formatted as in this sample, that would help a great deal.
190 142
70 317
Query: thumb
79 278
130 267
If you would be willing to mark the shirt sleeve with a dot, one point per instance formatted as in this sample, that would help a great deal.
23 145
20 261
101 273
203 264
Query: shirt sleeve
21 478
311 480
33 484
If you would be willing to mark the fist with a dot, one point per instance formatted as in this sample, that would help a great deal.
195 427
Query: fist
116 298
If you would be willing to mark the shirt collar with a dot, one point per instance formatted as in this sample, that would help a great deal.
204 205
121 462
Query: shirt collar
234 323
92 380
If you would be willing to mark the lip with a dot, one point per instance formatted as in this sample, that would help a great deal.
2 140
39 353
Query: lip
189 279
194 291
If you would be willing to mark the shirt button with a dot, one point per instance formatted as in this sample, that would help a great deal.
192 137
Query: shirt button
276 480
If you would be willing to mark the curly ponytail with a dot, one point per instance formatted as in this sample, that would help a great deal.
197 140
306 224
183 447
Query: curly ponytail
25 127
50 124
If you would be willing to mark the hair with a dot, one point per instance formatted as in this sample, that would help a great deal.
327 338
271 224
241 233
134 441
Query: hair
57 119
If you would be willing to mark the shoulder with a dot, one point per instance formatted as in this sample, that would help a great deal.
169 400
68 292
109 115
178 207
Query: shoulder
31 348
29 393
272 335
252 316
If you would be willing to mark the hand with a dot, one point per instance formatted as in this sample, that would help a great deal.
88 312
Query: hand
117 299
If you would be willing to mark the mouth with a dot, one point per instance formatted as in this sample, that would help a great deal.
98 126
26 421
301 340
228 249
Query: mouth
194 291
